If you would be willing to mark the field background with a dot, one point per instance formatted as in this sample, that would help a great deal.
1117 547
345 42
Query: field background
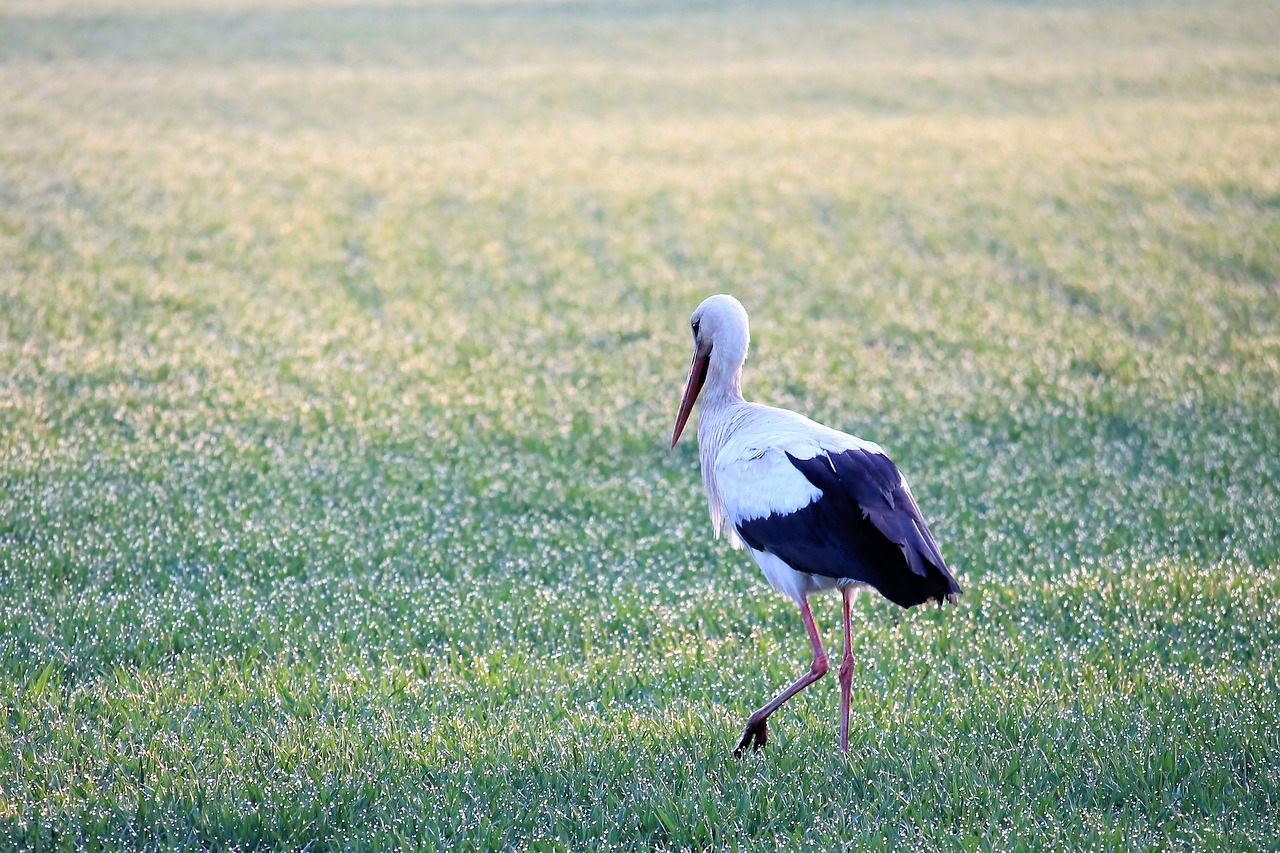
340 347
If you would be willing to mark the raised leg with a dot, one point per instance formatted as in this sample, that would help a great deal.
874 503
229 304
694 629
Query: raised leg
756 733
846 671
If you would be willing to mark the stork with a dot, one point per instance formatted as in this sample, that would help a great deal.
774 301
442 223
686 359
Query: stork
819 509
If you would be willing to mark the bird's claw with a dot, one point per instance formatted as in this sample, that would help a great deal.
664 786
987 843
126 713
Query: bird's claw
754 737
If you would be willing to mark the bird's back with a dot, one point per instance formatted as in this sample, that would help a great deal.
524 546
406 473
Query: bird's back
825 502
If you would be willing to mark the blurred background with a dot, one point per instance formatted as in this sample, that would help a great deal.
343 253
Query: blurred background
340 346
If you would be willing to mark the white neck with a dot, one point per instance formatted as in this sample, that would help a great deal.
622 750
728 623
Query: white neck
722 405
724 383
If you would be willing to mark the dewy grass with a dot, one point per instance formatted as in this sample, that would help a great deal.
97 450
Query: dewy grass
339 347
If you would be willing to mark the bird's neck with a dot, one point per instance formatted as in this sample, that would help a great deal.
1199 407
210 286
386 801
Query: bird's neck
724 385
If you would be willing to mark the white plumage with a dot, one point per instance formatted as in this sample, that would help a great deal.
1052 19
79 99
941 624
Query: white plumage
817 508
751 473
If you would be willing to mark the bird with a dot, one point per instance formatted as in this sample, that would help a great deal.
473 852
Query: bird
819 509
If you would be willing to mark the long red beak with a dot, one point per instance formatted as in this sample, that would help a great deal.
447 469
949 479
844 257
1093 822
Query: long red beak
697 376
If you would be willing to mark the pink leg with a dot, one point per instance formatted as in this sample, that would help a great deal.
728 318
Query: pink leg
846 671
756 732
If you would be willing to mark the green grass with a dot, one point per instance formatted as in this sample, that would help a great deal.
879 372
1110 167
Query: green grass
339 352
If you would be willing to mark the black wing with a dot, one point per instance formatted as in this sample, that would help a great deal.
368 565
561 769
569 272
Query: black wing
865 526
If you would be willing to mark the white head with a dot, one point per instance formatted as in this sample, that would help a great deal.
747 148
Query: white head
721 336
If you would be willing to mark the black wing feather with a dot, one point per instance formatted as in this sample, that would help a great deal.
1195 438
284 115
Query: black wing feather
865 526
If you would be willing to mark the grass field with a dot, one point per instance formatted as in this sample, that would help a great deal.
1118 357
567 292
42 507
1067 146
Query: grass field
340 347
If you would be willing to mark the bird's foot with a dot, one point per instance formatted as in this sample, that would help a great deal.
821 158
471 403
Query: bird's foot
754 737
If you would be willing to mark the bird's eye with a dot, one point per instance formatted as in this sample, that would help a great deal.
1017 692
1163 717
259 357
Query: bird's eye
695 326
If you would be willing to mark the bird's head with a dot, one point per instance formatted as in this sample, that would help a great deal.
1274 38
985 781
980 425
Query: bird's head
720 333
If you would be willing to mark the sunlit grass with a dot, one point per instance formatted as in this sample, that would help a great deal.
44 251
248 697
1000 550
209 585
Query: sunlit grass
339 347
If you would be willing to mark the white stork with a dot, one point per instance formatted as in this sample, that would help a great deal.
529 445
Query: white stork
819 509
